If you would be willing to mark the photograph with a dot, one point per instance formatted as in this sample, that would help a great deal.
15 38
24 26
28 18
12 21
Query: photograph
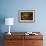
26 15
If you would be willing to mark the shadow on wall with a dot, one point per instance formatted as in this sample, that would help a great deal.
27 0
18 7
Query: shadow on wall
2 21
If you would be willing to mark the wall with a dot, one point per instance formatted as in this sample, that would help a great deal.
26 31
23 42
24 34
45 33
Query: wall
10 8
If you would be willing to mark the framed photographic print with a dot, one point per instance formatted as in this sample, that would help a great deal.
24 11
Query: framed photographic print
27 16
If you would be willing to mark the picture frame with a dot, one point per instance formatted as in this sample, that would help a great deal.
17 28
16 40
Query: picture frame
26 16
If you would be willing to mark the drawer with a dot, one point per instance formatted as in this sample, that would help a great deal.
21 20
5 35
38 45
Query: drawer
33 37
13 43
37 43
9 43
33 43
16 37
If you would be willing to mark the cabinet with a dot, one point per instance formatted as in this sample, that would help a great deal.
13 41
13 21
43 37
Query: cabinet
20 39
